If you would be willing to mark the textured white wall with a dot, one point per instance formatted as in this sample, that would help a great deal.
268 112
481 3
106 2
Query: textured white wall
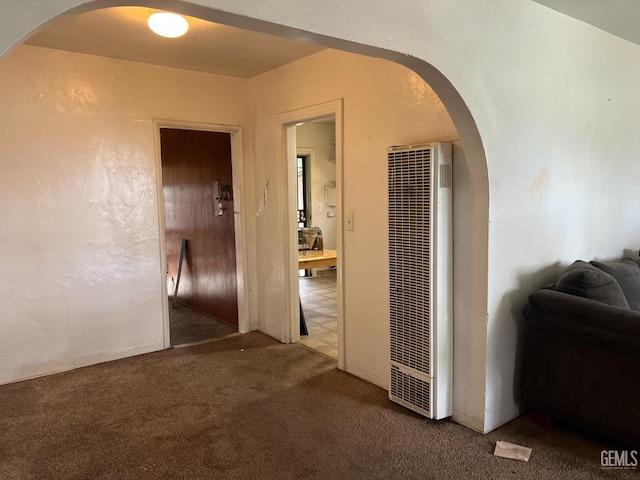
554 102
80 247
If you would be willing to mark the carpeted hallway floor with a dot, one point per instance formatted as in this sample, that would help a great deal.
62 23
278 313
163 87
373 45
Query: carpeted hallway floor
190 326
248 407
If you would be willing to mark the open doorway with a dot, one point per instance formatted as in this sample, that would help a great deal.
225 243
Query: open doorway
319 142
197 189
317 234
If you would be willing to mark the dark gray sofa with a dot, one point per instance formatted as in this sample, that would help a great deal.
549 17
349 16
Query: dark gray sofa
582 349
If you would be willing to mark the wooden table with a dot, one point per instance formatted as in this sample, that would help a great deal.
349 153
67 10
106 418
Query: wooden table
314 259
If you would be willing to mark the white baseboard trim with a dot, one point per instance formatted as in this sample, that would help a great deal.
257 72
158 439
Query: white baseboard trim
27 372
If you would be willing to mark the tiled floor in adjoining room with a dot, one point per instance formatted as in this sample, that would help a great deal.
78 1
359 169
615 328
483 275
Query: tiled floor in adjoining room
319 299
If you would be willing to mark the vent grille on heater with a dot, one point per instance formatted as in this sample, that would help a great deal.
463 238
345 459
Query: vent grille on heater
410 391
409 257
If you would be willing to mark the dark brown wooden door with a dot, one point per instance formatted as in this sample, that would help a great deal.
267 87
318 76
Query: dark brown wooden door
196 177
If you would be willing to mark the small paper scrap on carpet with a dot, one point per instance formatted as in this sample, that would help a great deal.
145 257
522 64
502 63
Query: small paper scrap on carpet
513 451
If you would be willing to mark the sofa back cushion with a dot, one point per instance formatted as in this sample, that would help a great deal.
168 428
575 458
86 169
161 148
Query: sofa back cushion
583 279
627 274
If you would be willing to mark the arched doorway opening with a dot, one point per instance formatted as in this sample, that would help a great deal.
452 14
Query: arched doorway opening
471 223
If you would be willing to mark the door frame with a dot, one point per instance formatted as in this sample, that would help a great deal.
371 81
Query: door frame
237 173
288 177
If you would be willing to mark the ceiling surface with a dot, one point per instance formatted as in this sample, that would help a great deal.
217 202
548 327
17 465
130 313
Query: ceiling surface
122 32
618 17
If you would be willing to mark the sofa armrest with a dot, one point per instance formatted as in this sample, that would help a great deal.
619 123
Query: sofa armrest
592 321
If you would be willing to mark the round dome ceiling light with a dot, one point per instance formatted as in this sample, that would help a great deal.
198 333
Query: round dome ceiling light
166 24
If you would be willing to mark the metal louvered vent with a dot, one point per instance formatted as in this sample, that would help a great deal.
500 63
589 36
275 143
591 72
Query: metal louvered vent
411 391
409 256
420 180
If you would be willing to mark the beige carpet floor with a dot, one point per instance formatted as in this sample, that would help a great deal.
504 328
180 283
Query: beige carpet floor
187 325
248 407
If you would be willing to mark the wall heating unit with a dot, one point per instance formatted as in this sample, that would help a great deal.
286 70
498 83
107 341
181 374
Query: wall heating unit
420 277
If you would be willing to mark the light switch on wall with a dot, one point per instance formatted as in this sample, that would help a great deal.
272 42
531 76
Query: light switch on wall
319 207
349 222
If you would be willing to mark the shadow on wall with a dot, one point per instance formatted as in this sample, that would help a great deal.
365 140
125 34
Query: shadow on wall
511 311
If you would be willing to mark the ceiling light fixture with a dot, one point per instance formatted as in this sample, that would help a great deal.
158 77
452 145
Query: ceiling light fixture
166 24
